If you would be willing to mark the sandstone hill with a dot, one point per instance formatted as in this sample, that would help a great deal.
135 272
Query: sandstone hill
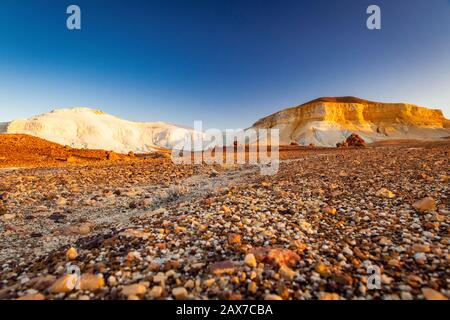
330 120
94 129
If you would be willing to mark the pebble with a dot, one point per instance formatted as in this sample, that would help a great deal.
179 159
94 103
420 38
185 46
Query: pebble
431 294
385 193
252 287
112 281
223 267
250 260
64 284
420 258
329 296
156 292
32 296
282 257
287 273
425 205
71 254
91 282
180 293
134 290
272 297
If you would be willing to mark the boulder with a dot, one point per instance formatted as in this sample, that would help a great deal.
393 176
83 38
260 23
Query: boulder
353 140
112 156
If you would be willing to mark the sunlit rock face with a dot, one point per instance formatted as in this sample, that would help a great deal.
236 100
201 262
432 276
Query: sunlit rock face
327 121
94 129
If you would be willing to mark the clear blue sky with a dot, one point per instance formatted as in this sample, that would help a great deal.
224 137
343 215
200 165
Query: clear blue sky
225 62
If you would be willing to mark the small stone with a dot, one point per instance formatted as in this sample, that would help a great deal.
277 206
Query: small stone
330 210
385 193
385 279
414 280
32 296
252 287
431 294
61 201
190 284
329 296
287 273
384 241
160 277
347 251
72 254
133 255
420 258
322 269
42 282
234 239
260 253
133 205
425 248
156 292
134 290
223 267
131 233
425 204
394 262
84 229
250 260
209 282
406 295
298 245
180 293
272 297
64 284
71 230
8 217
343 279
226 209
91 282
112 281
213 173
282 257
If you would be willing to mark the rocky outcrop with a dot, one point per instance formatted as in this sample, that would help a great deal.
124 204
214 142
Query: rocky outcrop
328 121
352 141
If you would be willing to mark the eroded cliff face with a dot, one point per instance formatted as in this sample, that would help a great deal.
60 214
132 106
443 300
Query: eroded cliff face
327 121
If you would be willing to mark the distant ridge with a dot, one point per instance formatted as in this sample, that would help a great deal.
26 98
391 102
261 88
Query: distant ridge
94 129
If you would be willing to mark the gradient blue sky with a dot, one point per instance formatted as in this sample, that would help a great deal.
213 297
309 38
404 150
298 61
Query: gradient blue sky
226 62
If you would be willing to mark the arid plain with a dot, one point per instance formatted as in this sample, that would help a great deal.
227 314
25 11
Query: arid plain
140 227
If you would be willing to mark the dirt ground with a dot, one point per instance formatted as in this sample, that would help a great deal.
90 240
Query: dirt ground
140 227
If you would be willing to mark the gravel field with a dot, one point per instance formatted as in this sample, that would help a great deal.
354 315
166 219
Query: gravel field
148 229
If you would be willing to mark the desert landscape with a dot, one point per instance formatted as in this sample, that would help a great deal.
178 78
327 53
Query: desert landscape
360 185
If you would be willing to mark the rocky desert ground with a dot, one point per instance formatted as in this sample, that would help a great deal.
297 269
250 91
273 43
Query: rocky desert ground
144 228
